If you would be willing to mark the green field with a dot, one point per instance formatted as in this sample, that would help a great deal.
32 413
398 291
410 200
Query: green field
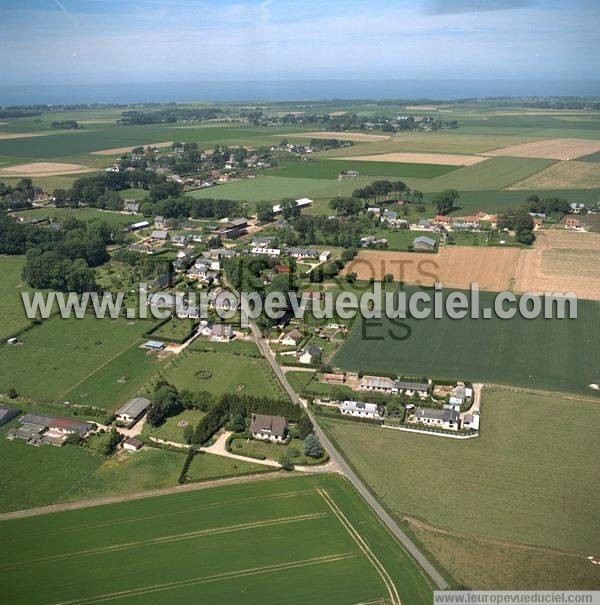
12 315
330 169
206 466
82 214
273 188
295 535
255 447
78 359
128 473
530 477
39 476
557 354
226 373
170 431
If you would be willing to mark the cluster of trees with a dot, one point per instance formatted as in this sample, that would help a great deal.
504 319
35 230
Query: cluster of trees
186 206
60 259
322 230
18 196
520 221
380 191
169 115
66 124
445 201
550 206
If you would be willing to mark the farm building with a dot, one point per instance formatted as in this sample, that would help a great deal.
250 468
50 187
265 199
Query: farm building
444 419
131 444
132 411
380 384
360 409
160 222
160 235
325 255
131 207
300 253
139 225
266 251
154 345
221 333
300 203
334 378
269 428
573 222
280 268
424 243
413 389
7 414
291 339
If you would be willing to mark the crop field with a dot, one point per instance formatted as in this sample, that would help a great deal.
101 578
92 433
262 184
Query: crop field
12 315
67 355
494 173
221 373
221 545
421 158
554 354
556 149
50 473
522 461
330 169
273 188
563 175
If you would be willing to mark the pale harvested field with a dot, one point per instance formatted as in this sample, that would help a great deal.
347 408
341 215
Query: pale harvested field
342 136
420 158
118 150
563 261
5 136
45 169
552 149
563 175
423 107
454 267
560 261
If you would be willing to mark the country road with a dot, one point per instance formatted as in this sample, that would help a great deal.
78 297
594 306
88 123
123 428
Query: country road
340 465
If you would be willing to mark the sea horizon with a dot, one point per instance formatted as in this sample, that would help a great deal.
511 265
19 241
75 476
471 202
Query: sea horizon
231 91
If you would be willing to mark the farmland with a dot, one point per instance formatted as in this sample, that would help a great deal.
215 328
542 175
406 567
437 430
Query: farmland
522 461
330 169
83 214
207 466
12 315
220 373
225 541
65 355
557 354
563 175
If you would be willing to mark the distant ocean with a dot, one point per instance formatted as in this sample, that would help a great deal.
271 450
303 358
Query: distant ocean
288 90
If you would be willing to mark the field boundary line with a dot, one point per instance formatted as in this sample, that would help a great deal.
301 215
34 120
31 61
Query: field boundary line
164 491
137 341
174 538
364 547
214 578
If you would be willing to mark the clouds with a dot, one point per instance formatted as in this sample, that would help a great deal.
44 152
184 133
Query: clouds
148 40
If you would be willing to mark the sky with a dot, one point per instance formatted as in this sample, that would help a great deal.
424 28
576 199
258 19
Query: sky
119 41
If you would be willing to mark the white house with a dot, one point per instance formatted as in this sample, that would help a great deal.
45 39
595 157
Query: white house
310 354
131 444
325 255
266 251
221 333
291 339
444 419
133 410
380 384
269 428
360 409
413 389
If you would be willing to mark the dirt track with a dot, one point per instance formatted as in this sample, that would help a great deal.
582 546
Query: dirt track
45 169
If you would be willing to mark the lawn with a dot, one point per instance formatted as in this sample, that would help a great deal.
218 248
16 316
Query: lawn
221 373
274 189
256 448
175 330
40 476
82 214
516 481
82 359
170 429
553 354
131 472
238 347
225 543
330 169
402 239
12 314
206 466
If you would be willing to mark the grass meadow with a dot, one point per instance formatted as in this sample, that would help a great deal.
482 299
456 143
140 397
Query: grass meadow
66 358
205 467
12 314
529 478
227 542
82 214
221 373
556 354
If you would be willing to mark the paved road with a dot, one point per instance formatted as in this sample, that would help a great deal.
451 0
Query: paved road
340 465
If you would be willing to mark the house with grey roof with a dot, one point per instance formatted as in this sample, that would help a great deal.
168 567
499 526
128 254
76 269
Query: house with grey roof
221 333
310 354
424 243
132 411
361 409
413 389
443 419
269 428
379 384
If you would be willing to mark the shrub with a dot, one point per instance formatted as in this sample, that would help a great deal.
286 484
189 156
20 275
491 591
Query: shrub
286 463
